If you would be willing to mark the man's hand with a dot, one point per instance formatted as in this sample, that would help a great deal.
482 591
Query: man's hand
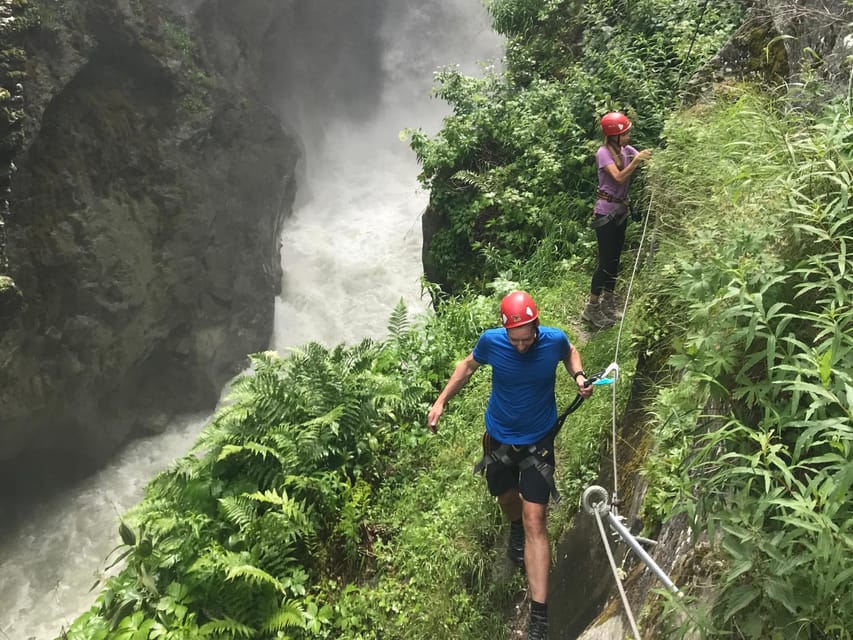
435 413
584 386
461 374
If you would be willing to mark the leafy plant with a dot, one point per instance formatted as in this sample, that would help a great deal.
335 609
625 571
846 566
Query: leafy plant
770 338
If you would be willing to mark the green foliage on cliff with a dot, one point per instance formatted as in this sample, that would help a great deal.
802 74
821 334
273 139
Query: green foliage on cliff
511 171
305 510
757 261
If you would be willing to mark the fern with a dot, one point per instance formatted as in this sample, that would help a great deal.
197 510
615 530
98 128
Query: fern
398 323
239 510
290 614
254 575
482 182
226 627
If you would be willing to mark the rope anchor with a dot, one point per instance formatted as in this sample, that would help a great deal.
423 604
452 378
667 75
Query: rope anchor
595 503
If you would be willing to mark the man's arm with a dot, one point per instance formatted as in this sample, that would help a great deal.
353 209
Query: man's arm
458 379
575 368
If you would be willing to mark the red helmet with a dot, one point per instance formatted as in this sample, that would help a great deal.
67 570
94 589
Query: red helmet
614 124
518 309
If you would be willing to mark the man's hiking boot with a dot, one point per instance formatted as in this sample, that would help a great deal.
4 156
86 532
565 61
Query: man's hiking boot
611 305
538 627
515 550
595 314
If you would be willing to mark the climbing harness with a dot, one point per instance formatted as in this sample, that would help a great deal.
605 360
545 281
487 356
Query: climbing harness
532 455
603 195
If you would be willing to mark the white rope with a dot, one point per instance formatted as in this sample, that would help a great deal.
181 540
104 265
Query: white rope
615 499
633 275
615 570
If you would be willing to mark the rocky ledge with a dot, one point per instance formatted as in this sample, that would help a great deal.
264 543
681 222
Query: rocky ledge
143 220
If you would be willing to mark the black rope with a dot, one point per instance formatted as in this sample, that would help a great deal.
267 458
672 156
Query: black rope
692 41
577 402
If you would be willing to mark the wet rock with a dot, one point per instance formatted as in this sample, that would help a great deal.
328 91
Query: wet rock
150 189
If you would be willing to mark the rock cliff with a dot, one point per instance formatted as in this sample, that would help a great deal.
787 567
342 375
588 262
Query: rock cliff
143 220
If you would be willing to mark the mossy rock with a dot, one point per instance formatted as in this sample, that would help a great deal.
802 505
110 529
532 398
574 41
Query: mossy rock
11 300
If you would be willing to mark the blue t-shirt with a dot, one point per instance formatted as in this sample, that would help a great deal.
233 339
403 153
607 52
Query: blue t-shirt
606 183
522 408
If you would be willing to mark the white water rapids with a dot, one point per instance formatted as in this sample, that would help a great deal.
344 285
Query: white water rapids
350 252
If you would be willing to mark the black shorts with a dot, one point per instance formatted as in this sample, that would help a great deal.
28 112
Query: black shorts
530 483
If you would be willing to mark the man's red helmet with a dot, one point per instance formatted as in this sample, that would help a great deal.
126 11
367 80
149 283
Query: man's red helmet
518 309
615 123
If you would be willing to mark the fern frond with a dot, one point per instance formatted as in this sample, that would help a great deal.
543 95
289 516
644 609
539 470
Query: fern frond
327 419
293 510
476 180
255 576
254 448
290 614
398 323
226 627
239 510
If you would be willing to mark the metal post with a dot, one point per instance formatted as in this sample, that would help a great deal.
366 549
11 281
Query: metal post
594 500
645 557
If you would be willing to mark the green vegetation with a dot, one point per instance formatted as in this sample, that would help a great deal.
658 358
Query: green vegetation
757 265
304 510
317 505
511 171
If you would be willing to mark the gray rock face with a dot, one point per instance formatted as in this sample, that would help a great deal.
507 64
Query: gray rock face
817 38
144 227
786 44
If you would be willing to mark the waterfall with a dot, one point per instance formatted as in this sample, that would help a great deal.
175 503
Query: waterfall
350 252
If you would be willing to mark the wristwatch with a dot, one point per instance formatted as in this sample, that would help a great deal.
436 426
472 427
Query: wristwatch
579 373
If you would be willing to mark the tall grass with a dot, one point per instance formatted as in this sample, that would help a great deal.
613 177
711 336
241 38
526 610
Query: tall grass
757 207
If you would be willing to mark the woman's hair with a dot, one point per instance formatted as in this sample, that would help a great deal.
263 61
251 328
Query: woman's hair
612 144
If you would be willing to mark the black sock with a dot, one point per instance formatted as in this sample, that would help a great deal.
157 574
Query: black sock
516 532
539 610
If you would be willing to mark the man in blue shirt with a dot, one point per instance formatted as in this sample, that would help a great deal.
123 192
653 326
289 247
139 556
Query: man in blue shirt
522 411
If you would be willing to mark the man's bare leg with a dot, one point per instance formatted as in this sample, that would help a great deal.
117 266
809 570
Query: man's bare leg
537 549
510 503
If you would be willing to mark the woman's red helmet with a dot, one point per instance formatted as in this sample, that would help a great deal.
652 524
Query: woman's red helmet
615 123
518 309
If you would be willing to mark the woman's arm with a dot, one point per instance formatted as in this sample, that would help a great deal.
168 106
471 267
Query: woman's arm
621 175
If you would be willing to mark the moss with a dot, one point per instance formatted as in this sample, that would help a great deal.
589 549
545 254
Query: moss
768 57
179 39
11 300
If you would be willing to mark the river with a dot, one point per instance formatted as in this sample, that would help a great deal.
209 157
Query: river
350 251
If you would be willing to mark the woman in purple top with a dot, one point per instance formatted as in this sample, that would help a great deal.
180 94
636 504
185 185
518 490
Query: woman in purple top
616 160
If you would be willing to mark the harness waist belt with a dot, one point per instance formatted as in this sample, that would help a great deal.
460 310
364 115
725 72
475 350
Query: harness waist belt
603 195
531 459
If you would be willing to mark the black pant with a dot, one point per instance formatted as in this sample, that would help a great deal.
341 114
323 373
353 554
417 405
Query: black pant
530 482
611 240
